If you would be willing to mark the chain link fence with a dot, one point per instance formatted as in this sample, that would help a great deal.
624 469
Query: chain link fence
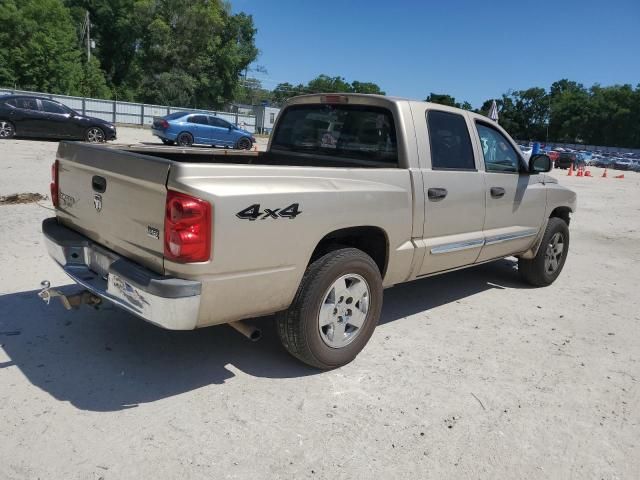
129 113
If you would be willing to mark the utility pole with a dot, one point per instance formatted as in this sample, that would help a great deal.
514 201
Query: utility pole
88 38
548 118
86 34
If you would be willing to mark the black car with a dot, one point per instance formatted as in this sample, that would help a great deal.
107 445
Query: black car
27 116
565 159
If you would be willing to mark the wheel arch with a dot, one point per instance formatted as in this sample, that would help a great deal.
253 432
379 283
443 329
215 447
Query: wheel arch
563 213
371 240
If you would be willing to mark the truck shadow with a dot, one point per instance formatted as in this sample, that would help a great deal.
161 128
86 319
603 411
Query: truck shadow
107 360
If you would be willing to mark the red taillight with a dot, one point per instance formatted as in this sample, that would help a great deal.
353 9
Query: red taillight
334 99
54 184
187 228
164 124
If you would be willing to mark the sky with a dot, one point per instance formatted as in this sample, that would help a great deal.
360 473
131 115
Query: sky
473 50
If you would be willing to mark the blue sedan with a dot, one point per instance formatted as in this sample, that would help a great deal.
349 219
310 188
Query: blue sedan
186 129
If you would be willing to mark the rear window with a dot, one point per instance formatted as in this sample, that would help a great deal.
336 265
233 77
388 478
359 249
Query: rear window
173 116
354 132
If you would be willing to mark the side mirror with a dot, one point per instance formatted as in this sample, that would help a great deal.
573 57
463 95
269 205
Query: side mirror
539 163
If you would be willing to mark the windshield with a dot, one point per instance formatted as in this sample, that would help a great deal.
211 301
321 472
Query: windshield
345 131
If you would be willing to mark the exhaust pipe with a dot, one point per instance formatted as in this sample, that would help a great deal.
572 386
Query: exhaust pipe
252 333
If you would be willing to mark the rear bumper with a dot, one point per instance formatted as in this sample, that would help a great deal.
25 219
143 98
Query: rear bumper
164 134
168 302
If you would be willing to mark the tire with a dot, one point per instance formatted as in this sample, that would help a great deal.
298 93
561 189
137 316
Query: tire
167 142
303 328
185 139
7 130
95 135
545 267
243 143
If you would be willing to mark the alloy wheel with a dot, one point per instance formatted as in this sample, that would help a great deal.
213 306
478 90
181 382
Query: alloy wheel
344 310
553 254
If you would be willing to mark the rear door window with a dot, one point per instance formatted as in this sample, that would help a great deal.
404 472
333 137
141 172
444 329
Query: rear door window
199 119
11 102
27 103
356 132
450 141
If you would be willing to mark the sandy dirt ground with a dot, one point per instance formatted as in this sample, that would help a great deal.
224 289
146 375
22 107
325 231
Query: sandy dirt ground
470 375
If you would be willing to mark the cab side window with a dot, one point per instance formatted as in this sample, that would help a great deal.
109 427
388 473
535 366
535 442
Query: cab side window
450 141
499 155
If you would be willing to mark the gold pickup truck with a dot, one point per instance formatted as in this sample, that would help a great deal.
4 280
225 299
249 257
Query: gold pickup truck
355 193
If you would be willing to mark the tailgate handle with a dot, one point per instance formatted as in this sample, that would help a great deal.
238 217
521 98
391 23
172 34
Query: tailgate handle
99 184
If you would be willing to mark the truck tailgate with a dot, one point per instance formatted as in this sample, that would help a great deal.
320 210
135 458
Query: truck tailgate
115 198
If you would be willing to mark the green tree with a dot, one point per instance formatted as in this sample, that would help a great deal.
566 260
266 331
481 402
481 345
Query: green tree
115 29
366 87
191 52
284 91
40 48
326 84
442 99
448 100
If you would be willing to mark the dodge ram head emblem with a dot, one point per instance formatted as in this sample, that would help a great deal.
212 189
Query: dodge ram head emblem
97 202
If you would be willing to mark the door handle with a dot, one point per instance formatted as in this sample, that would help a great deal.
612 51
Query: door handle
437 193
497 192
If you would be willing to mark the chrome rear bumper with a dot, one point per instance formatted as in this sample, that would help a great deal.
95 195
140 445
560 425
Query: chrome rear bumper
168 302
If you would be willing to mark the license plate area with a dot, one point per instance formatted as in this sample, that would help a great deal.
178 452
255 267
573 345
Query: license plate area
100 260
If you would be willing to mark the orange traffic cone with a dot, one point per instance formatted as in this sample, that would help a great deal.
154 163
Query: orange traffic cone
587 173
619 176
570 174
604 175
580 172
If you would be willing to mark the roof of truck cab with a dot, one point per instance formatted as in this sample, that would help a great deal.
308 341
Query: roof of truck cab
384 98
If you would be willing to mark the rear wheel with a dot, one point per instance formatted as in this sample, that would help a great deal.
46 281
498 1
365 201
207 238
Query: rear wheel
243 143
7 130
545 267
185 139
95 135
335 311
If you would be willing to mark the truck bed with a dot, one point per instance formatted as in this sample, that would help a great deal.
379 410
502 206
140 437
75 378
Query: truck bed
241 157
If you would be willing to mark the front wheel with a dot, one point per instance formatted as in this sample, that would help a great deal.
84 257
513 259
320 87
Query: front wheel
545 267
7 130
335 311
243 144
95 135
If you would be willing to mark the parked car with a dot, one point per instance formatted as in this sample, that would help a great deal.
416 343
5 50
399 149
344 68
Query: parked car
26 116
356 193
553 155
622 164
565 159
191 128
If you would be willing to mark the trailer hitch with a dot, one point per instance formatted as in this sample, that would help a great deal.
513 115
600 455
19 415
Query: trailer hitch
69 302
